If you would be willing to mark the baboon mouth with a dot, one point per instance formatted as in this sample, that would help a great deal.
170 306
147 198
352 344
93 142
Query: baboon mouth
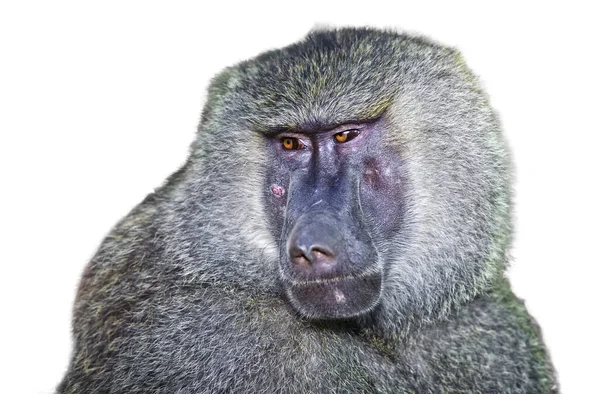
336 298
325 280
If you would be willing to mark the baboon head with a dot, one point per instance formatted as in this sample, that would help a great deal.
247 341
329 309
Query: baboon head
356 174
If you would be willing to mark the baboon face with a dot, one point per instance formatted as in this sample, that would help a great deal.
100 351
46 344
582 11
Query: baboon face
333 195
364 173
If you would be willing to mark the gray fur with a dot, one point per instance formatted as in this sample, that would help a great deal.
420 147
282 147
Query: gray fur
183 295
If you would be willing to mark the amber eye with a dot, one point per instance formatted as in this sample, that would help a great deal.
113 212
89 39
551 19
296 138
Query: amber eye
290 143
345 136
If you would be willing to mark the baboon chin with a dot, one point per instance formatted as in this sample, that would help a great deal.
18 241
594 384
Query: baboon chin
359 178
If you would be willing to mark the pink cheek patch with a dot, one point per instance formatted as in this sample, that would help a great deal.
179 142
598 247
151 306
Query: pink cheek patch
277 190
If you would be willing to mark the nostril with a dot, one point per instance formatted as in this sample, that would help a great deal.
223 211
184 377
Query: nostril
322 261
300 257
320 252
297 251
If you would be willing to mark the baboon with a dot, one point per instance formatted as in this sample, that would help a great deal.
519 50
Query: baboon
342 225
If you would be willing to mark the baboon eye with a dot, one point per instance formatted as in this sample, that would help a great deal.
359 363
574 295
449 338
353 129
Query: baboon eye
345 136
290 143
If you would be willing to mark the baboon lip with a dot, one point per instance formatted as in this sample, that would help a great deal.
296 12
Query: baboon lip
340 297
331 280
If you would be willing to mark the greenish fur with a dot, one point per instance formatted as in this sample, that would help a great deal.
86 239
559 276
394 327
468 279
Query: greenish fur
184 295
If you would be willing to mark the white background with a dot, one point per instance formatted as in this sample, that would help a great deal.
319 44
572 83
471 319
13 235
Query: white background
98 104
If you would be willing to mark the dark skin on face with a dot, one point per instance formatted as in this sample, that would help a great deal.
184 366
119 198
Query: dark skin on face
334 198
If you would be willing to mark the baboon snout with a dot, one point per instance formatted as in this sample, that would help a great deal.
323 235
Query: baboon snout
314 247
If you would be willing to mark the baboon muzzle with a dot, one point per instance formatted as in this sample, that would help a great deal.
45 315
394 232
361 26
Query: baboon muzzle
328 268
